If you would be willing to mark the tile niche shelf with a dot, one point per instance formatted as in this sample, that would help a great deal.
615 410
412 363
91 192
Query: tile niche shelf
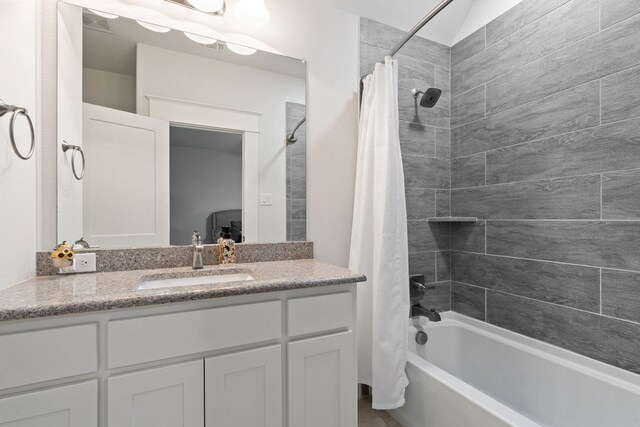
453 219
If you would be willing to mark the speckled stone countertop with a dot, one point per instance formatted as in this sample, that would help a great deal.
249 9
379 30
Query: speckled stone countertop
80 293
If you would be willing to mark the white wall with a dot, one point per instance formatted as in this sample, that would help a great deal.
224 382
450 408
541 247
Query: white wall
18 82
69 122
175 75
111 90
328 39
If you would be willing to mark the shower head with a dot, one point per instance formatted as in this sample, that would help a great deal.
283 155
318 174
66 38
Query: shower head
429 98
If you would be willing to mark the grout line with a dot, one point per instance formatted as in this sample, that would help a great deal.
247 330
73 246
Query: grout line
485 100
486 43
435 203
601 206
450 262
464 93
485 37
540 100
590 128
591 174
486 225
594 313
600 290
485 304
600 100
485 168
532 22
600 16
548 261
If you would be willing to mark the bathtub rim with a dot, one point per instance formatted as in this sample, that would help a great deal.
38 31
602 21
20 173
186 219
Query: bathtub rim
464 391
569 359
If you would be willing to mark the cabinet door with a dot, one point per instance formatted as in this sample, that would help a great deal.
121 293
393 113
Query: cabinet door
70 406
244 389
322 382
171 396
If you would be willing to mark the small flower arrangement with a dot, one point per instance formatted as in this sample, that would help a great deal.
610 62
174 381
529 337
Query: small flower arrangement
62 256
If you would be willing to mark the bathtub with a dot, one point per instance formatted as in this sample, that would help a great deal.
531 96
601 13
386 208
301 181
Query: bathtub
473 374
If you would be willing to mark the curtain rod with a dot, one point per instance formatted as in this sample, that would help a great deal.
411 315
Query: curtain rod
419 26
411 33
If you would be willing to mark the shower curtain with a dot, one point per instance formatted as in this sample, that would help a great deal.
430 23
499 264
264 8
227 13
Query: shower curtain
379 241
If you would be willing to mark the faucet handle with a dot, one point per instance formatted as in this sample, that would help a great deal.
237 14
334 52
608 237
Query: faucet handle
196 240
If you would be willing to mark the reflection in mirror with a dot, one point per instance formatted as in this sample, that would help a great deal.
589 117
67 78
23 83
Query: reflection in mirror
180 133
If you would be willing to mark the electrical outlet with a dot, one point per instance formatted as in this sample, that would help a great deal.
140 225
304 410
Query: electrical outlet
82 263
85 263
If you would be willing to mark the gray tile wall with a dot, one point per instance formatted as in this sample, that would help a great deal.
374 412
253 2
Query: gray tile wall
425 142
545 144
296 174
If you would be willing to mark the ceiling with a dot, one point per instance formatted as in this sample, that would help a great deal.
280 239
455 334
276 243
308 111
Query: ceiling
206 139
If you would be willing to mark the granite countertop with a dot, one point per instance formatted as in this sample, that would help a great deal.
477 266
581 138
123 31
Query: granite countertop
80 293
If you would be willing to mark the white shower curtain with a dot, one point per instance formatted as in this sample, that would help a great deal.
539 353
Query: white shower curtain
379 242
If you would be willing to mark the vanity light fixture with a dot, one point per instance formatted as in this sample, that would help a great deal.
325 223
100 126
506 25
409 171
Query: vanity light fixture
241 50
252 13
200 39
209 6
154 27
104 14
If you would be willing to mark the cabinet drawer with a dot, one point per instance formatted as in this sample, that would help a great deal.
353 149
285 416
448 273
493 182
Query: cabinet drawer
147 339
32 357
69 406
319 313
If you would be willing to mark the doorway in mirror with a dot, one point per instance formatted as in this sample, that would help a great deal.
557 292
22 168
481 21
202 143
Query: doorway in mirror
205 183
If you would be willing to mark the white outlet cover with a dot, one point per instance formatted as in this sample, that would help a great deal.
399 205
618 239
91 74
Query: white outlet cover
84 263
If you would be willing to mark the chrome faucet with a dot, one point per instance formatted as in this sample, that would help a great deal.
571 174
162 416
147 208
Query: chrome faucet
198 251
417 291
418 310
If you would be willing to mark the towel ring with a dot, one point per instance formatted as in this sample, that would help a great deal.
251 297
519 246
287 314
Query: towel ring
75 149
18 111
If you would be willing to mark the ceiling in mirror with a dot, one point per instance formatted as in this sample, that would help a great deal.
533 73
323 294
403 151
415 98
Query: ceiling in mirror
110 45
180 133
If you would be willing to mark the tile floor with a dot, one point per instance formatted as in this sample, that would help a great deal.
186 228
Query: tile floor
368 417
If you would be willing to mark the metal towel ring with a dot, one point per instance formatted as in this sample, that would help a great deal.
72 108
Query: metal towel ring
75 149
18 111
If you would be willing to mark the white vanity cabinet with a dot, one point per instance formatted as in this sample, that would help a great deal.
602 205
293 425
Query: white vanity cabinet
167 396
244 389
321 381
275 359
69 406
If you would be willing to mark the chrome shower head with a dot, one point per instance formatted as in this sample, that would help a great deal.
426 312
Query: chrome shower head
429 98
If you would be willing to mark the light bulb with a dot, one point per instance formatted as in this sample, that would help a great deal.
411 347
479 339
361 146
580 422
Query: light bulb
200 39
208 6
154 27
252 13
241 50
104 14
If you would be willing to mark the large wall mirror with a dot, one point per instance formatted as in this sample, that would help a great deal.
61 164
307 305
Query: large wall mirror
162 133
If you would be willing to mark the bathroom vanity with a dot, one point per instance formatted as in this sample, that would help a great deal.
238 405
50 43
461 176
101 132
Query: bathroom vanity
101 350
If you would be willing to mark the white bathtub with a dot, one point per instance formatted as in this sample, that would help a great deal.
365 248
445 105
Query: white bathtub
473 374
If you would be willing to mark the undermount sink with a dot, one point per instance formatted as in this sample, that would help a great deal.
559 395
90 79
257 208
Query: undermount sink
172 282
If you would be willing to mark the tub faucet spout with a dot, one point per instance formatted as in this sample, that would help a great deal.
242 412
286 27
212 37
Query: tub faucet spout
418 310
